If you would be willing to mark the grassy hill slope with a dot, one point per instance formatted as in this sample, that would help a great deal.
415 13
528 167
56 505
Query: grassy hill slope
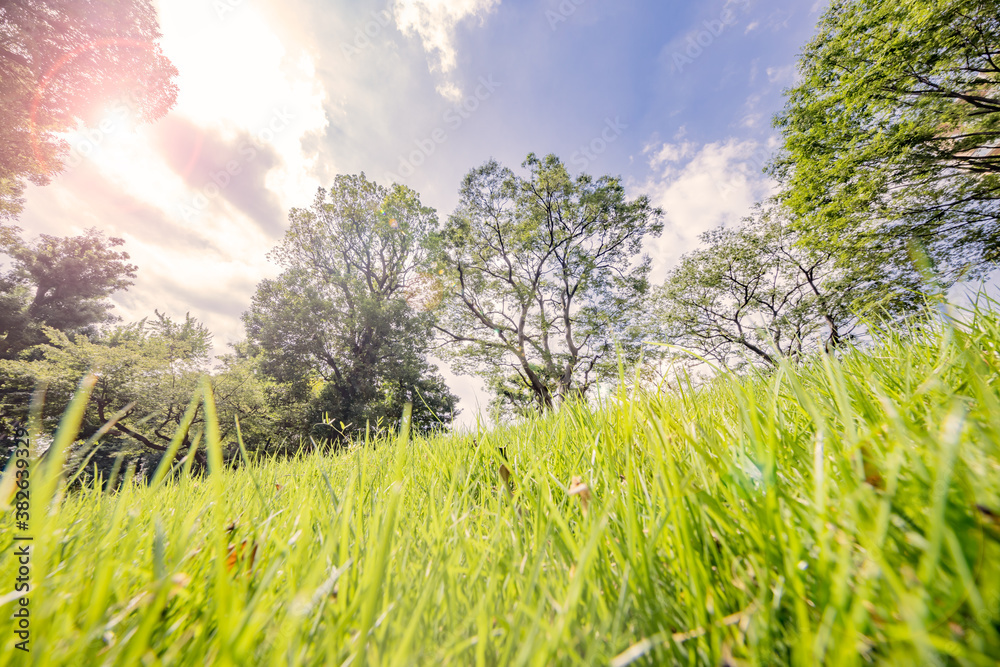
840 512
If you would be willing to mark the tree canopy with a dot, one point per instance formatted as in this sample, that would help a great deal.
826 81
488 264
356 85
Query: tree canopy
753 294
344 324
147 373
61 62
541 277
57 282
892 136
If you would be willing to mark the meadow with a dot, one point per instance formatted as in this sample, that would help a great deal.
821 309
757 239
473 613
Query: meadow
843 510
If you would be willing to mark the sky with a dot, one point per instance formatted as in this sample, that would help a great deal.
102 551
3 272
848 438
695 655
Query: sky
277 97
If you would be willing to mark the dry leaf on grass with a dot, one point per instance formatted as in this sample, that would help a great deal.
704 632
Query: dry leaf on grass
241 552
179 582
577 487
508 483
642 648
505 471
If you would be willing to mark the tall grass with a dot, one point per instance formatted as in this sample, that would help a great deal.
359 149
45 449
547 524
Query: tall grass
839 512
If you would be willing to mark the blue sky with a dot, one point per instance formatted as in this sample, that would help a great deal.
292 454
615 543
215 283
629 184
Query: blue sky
564 69
675 97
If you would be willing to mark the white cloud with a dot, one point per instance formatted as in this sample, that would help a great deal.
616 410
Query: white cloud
700 188
236 73
668 154
434 21
783 75
237 78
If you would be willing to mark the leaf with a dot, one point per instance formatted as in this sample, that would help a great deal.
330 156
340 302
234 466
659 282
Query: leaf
241 553
644 646
578 488
507 481
180 580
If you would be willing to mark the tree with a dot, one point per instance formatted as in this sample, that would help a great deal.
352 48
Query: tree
511 397
147 374
63 283
893 137
61 62
542 277
754 294
342 326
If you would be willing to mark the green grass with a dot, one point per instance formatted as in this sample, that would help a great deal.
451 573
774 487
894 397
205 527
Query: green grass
836 513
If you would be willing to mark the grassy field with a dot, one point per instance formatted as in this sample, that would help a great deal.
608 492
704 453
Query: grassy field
839 512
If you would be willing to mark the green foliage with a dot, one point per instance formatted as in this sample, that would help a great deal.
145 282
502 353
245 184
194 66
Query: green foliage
61 62
842 511
146 373
62 283
345 326
542 277
511 398
892 138
755 294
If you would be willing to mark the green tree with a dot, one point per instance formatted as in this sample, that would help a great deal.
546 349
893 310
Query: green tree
147 374
344 327
61 63
63 283
754 294
541 276
892 138
510 397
